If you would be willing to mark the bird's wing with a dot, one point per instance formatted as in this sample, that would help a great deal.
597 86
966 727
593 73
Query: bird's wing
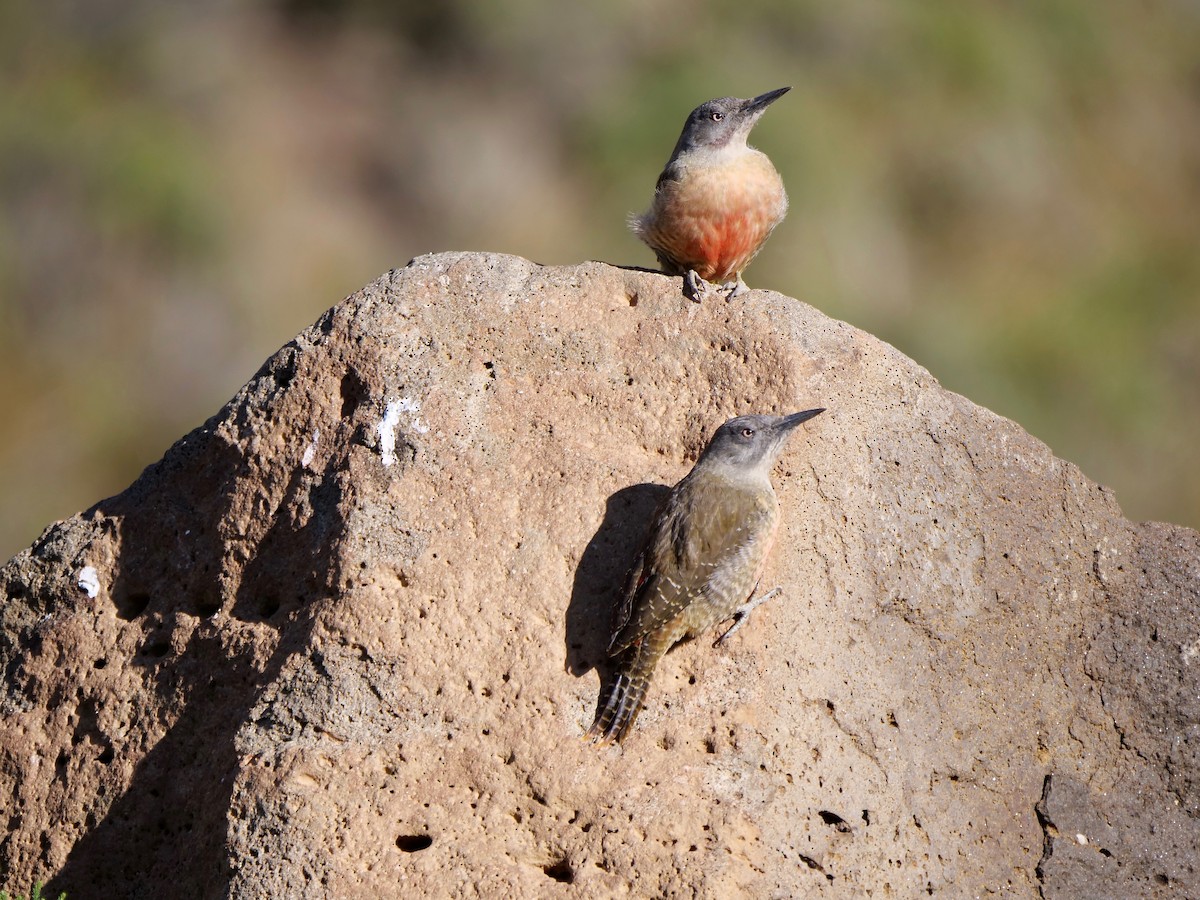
690 544
635 585
652 594
670 173
649 604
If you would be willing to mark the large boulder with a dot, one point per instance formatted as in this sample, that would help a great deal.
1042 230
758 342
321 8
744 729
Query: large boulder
343 639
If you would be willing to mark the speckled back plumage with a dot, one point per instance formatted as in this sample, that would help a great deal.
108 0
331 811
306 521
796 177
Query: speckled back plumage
706 551
708 545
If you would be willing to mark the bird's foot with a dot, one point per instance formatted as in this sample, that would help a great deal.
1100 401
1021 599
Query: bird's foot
734 288
695 288
743 612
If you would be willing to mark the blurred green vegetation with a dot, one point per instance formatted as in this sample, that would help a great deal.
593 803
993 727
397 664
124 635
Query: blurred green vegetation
1009 193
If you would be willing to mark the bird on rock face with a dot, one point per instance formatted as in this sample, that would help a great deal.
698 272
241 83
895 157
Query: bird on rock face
718 199
706 551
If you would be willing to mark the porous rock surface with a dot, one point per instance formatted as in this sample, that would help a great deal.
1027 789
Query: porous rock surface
346 635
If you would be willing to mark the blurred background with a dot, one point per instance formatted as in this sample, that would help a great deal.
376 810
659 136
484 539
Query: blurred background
1007 192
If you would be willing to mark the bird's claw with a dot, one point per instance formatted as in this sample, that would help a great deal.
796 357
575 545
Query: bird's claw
695 288
738 621
742 613
734 288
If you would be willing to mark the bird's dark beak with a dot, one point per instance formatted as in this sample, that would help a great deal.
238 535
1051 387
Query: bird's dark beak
756 106
787 423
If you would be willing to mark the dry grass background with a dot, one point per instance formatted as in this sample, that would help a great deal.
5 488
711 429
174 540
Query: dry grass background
1009 193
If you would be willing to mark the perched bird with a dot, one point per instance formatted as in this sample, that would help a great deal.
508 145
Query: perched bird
701 564
718 199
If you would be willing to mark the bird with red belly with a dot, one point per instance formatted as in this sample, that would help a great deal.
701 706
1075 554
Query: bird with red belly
717 200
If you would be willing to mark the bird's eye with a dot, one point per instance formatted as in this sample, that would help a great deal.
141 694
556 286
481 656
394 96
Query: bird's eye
718 116
747 432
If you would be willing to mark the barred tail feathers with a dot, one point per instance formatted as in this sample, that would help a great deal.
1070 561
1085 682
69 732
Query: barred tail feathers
628 691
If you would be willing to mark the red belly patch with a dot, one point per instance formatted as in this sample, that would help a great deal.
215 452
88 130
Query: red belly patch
715 219
722 247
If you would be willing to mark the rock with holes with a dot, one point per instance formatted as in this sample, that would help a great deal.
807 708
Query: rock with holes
343 639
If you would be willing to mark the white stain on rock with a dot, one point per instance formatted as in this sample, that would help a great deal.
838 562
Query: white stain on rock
310 451
391 419
387 432
1190 652
89 581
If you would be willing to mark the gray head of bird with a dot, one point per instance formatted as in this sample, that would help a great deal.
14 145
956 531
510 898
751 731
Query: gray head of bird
751 444
723 122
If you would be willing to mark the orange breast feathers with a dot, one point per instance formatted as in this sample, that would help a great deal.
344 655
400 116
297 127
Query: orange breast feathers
716 216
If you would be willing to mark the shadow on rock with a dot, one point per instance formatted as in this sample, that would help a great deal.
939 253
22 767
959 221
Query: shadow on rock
169 826
602 571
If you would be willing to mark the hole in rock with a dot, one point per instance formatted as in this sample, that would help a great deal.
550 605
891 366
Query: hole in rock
353 391
413 843
158 648
832 818
132 606
560 871
206 607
